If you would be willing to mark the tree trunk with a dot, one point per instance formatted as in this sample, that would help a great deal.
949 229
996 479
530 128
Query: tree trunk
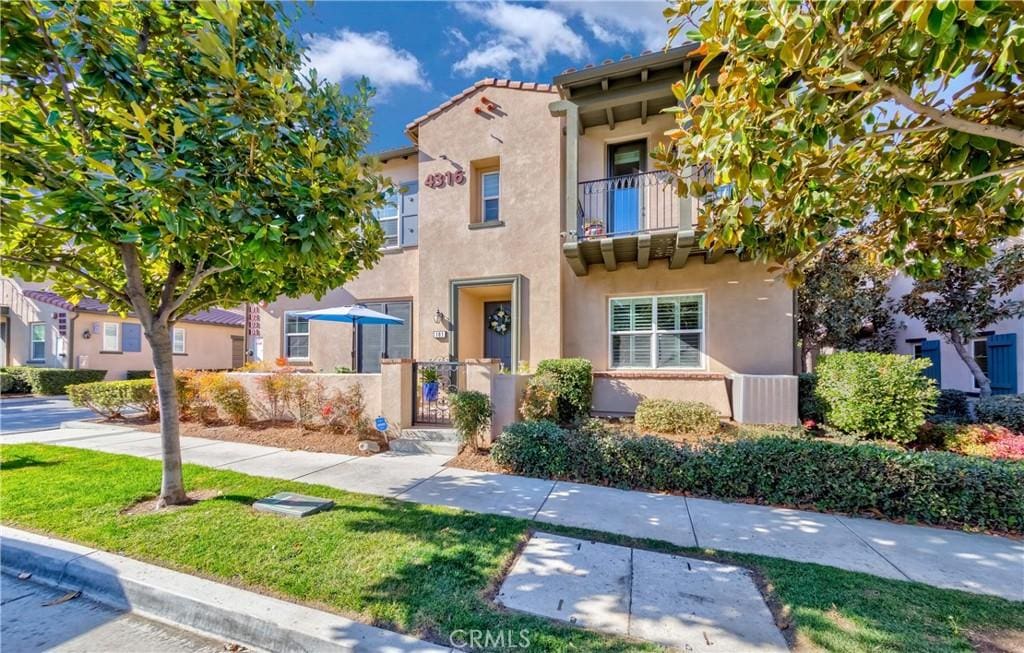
172 485
984 385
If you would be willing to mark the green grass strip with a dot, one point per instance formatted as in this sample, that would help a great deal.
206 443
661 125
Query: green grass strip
423 570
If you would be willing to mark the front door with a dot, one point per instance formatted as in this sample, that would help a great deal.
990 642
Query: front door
237 352
498 332
625 163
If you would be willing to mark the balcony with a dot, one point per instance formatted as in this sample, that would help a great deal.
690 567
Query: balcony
634 218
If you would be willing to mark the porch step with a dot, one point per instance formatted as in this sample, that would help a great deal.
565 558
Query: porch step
443 441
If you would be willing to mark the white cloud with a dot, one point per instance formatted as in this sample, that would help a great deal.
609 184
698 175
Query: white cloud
350 55
521 37
635 25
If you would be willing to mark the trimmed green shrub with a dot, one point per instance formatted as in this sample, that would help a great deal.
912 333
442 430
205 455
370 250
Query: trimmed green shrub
135 375
951 406
808 404
55 380
471 412
866 394
13 380
678 417
575 386
1005 410
111 398
934 487
540 400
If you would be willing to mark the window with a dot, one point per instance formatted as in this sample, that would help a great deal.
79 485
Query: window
979 349
917 350
388 217
37 339
111 336
490 190
378 341
296 337
657 332
178 341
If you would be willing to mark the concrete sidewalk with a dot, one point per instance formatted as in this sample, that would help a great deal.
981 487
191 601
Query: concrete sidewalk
982 564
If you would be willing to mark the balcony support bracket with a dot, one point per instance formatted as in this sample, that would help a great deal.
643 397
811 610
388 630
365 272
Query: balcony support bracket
573 258
643 251
608 254
685 239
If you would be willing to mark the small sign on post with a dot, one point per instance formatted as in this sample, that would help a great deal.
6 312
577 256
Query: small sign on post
381 424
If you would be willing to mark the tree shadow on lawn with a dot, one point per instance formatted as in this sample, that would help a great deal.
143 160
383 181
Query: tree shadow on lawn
21 462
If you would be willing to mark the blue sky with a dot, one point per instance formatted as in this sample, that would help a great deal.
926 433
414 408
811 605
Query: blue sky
418 54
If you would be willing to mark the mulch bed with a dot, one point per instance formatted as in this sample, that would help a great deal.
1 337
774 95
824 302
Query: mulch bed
285 435
476 459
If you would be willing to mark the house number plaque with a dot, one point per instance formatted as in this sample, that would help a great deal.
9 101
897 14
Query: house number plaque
442 179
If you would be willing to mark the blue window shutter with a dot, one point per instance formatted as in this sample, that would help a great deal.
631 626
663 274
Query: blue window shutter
131 337
1002 363
410 214
930 349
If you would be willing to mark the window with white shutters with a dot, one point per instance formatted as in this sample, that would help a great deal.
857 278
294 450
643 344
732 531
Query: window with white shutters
657 332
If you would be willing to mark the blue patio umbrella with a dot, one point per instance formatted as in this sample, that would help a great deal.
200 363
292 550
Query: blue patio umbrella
356 314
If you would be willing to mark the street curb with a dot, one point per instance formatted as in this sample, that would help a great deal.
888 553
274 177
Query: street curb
210 608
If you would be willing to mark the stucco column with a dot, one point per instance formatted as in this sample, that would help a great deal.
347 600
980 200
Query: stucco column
571 113
481 374
506 395
396 387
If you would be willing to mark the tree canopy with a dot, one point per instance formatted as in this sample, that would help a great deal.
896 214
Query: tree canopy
844 302
168 156
905 118
964 301
180 139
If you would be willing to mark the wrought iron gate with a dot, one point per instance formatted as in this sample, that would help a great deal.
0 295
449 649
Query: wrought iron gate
434 383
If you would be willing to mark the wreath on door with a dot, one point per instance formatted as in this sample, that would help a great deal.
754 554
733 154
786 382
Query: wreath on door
499 321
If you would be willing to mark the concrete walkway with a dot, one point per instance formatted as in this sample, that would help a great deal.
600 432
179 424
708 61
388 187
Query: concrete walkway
982 564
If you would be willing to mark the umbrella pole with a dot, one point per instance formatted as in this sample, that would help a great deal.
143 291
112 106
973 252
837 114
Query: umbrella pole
355 328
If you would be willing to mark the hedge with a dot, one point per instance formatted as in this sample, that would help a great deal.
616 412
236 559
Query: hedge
14 381
677 417
931 487
135 375
808 405
111 398
51 380
875 395
1005 410
575 386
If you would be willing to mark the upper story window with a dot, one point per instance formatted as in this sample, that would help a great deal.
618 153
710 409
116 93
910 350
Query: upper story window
178 341
111 336
490 192
389 217
296 337
37 339
665 331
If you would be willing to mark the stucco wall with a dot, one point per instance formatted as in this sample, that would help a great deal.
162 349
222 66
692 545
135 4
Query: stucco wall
593 154
333 383
749 313
24 311
526 139
955 374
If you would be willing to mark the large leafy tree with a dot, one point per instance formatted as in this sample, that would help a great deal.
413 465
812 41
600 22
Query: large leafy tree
844 302
904 117
964 301
167 156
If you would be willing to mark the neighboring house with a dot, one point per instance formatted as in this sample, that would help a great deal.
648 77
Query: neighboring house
39 327
531 224
998 350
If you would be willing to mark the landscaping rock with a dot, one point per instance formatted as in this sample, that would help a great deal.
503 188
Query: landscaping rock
369 446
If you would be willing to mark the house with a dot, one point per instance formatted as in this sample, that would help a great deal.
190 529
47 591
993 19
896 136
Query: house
39 327
531 224
997 350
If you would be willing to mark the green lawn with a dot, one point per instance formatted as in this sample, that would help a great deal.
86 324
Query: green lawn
423 570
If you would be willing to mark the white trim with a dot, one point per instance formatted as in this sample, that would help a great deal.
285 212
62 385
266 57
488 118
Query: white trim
286 336
117 337
174 341
484 196
32 341
396 218
654 330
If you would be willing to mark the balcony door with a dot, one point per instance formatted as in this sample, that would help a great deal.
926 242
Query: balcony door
625 163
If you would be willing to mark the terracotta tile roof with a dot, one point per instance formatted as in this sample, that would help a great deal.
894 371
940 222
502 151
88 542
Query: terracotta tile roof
411 128
215 316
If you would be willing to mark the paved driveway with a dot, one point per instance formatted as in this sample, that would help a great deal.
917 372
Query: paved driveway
37 413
